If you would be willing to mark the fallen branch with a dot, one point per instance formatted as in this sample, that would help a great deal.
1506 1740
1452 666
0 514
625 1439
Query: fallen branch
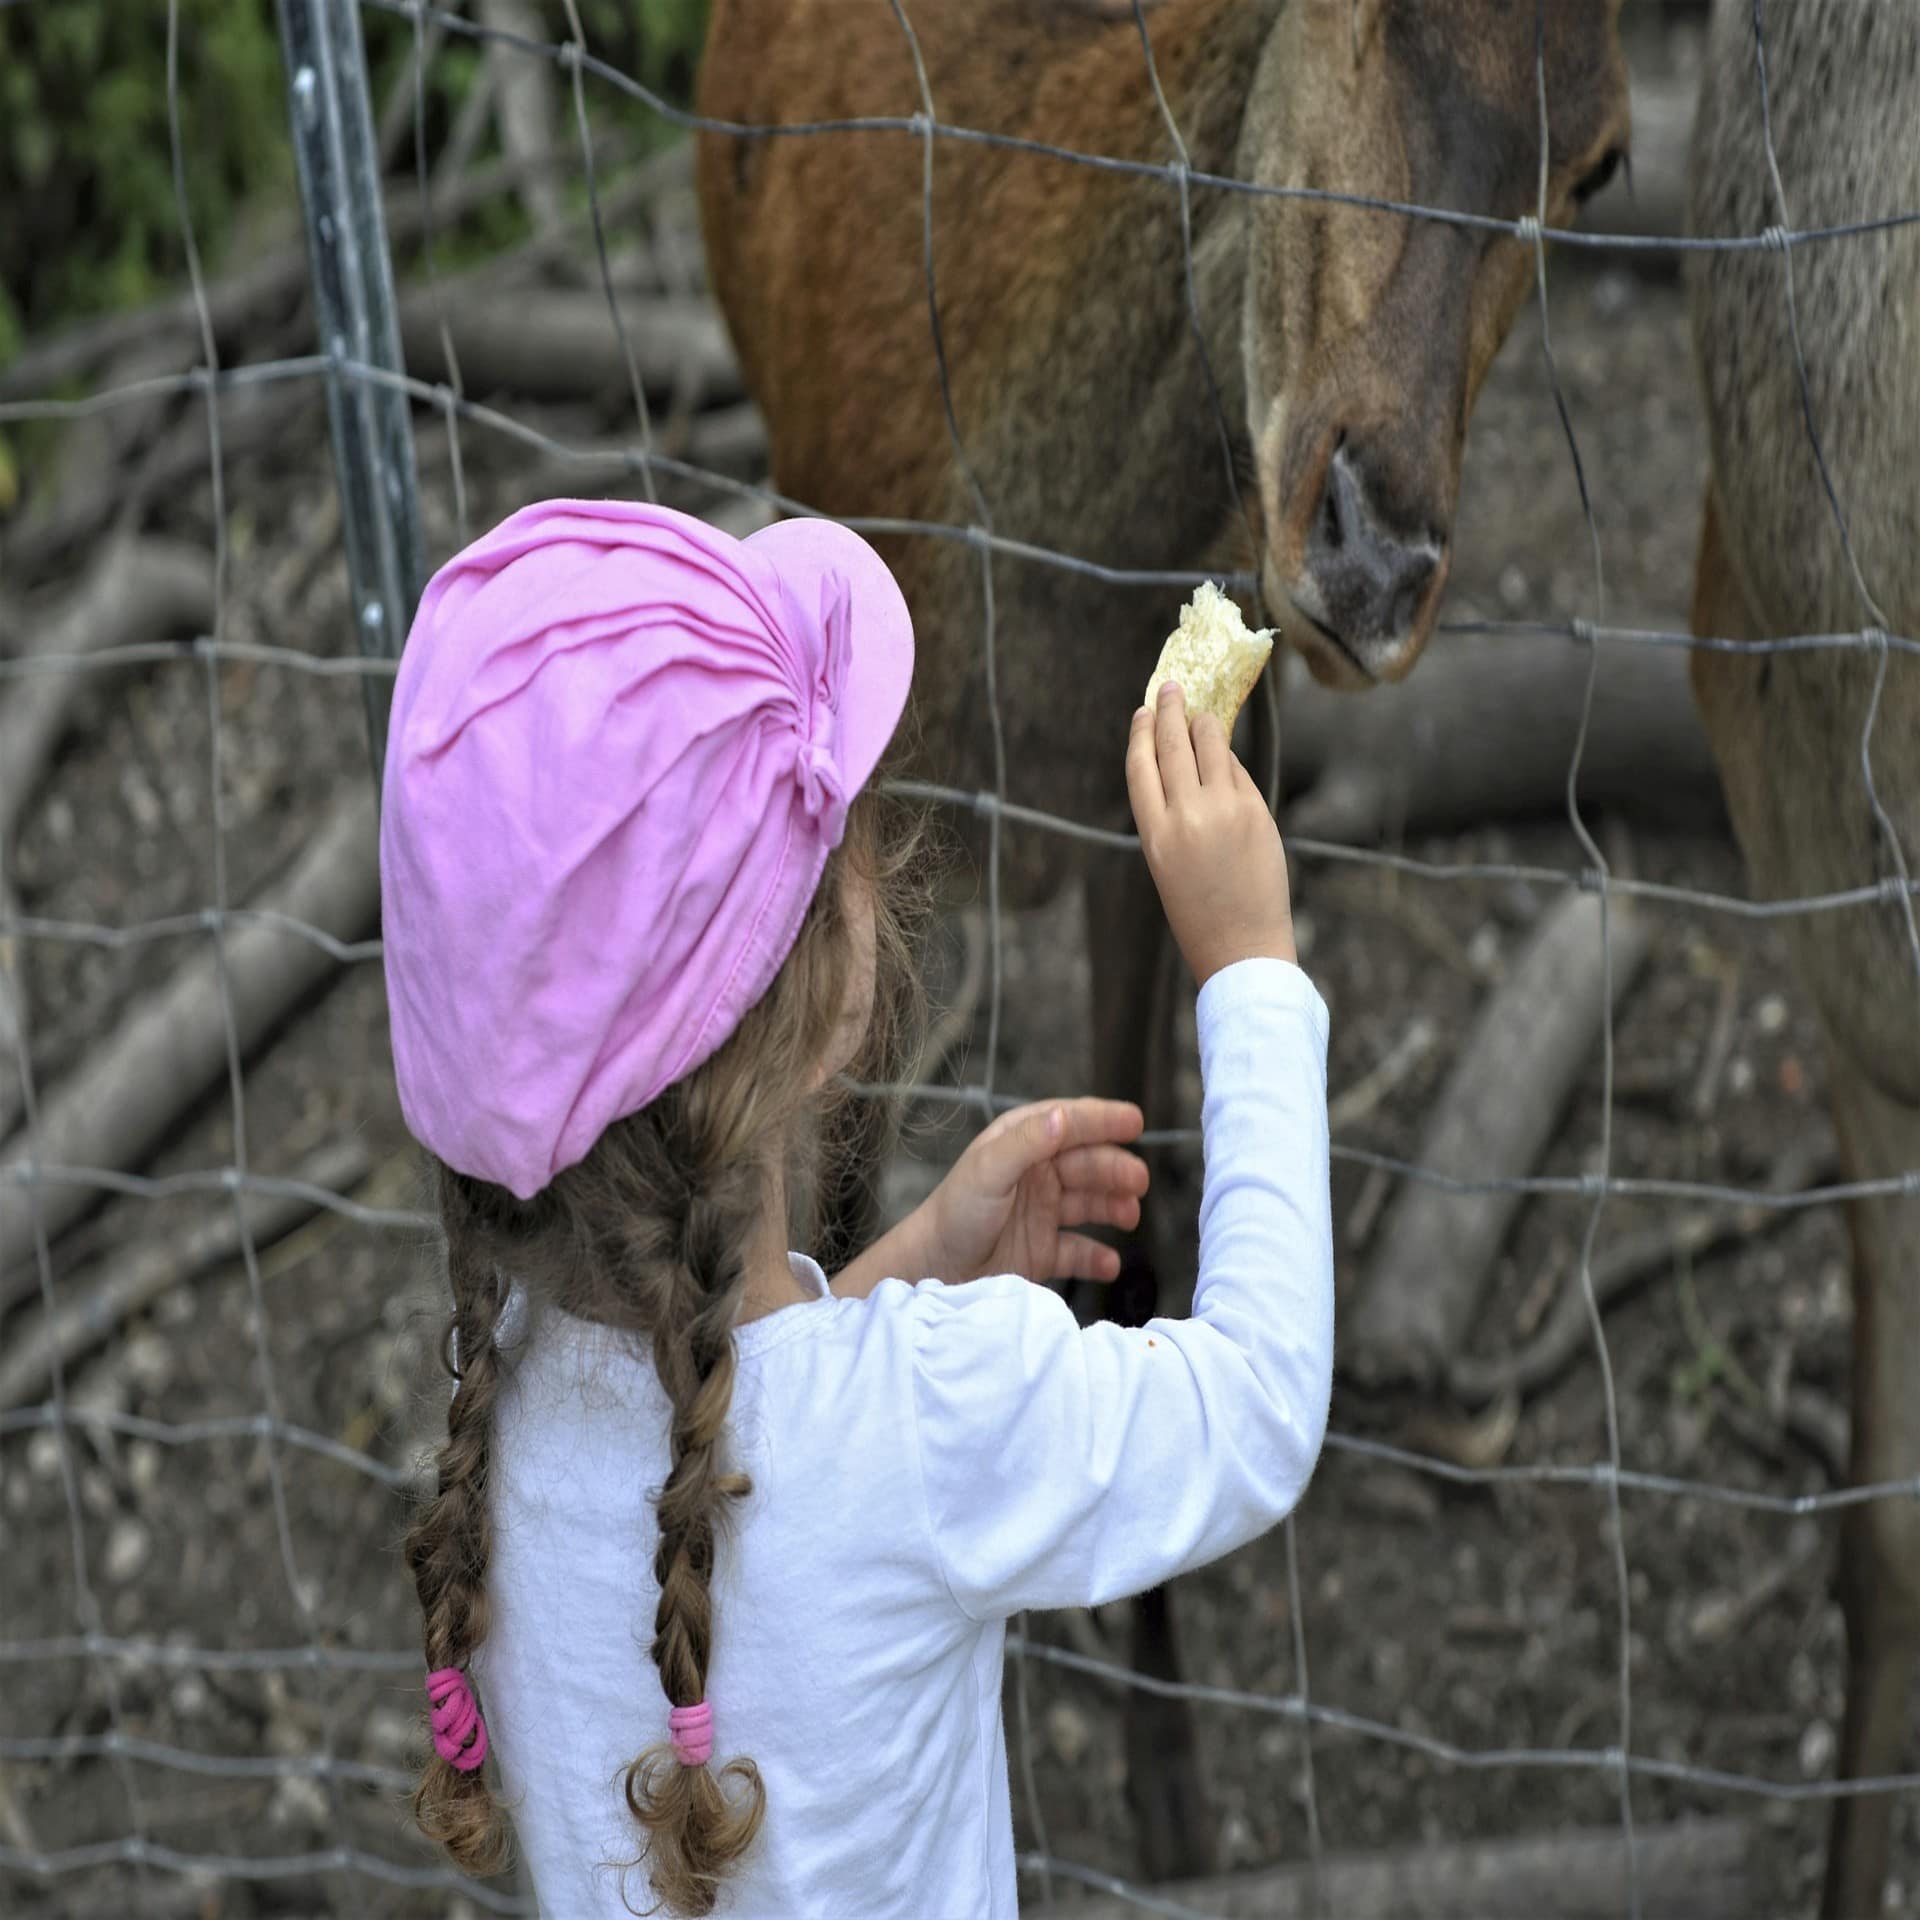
251 418
1824 1429
1695 1867
1353 1104
1485 730
524 108
14 1826
562 346
1499 1109
171 1046
1625 1263
270 289
12 999
143 590
84 1319
397 110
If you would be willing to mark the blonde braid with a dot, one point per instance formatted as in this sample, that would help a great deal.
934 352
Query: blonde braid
448 1547
699 1821
650 1234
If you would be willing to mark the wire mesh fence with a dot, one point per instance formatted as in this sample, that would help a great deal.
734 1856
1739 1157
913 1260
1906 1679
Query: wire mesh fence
94 1669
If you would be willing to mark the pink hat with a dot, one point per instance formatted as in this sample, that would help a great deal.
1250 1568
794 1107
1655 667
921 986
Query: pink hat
622 746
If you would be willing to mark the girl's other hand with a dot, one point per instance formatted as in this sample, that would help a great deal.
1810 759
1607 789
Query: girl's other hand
1012 1199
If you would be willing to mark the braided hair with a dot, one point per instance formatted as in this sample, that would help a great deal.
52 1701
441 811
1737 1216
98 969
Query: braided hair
651 1234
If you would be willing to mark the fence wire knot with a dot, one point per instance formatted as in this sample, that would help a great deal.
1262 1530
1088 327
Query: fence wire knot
1527 230
1776 239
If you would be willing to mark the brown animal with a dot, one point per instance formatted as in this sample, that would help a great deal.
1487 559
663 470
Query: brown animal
1346 347
1844 81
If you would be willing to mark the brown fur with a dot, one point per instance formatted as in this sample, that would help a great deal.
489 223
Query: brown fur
649 1234
1082 399
1786 729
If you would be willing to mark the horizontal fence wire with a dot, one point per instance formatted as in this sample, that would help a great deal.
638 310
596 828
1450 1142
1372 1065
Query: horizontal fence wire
924 127
108 1653
1596 1475
143 1854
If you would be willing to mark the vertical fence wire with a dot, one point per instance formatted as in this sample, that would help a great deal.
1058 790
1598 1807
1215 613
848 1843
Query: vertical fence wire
996 950
304 1604
1616 1517
1196 329
58 1422
575 54
430 255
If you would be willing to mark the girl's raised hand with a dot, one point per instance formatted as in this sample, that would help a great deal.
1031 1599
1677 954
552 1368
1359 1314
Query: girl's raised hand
1211 844
1012 1199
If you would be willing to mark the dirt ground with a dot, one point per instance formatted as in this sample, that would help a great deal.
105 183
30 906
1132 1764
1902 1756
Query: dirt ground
1482 1618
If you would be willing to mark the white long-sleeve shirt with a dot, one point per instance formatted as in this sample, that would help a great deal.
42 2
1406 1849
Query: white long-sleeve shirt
925 1462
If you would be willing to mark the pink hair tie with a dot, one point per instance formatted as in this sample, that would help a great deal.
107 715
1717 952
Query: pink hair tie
459 1734
691 1731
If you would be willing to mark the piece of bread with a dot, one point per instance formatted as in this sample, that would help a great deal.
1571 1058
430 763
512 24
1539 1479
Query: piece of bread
1214 656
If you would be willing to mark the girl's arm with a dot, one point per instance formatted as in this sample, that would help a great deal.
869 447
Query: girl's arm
1068 1467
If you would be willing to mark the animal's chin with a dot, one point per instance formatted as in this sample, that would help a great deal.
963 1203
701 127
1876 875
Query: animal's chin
1325 653
1329 659
1334 660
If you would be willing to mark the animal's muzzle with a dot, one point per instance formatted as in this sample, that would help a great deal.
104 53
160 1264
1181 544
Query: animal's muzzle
1366 581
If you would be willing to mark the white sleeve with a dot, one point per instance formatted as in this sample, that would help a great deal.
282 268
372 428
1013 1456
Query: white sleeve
1067 1466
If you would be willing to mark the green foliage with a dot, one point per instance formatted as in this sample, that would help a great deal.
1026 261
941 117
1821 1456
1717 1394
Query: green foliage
663 39
86 172
86 169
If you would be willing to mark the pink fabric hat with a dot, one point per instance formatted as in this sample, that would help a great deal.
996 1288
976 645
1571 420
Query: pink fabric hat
622 747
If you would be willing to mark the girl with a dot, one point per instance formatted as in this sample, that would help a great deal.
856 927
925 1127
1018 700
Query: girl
726 1549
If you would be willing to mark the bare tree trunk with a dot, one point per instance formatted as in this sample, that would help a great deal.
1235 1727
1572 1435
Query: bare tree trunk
143 591
524 107
171 1046
1694 1870
560 346
136 1275
1498 1111
1485 730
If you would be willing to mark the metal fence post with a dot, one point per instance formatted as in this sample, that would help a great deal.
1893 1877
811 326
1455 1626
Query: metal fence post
356 320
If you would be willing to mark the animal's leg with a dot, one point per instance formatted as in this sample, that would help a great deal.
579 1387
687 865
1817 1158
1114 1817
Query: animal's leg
1726 685
1133 974
1880 1541
1879 1575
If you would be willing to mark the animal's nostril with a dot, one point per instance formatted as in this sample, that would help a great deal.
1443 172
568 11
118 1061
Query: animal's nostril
1332 533
1369 579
